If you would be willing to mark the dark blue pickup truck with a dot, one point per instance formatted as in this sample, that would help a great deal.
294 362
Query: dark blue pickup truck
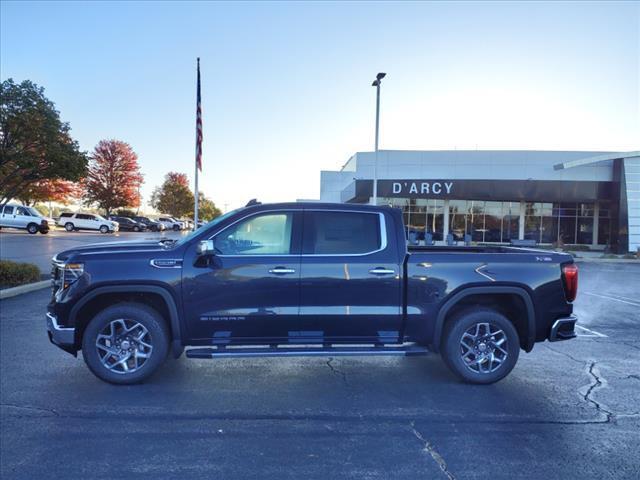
307 279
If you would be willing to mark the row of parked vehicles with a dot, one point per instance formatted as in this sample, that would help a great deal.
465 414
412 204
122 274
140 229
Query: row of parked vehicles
29 219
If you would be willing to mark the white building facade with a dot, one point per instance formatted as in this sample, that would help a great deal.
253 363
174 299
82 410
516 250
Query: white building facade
546 197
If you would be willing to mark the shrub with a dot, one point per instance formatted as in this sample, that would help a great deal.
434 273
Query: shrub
13 273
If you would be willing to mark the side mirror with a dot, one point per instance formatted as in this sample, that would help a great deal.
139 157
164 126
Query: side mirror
205 247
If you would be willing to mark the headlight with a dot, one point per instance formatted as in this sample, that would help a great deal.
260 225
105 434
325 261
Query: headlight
71 272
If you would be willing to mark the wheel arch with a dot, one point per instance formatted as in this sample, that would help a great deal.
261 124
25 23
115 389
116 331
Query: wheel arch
99 298
525 325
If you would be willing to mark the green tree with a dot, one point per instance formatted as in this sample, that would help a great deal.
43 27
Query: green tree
207 210
173 197
35 145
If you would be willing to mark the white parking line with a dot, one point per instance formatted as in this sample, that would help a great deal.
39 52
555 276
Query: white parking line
608 297
593 332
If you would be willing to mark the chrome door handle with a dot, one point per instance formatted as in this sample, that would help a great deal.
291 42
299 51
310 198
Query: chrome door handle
281 270
381 271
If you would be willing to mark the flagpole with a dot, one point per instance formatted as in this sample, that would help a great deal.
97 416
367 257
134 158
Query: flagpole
198 150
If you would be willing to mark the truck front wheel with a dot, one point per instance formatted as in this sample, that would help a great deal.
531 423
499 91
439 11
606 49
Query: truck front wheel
125 343
480 345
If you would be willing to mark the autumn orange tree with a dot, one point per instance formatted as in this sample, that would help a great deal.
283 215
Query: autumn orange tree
60 191
114 178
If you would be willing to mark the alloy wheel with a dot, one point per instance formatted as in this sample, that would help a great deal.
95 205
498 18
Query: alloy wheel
484 348
124 346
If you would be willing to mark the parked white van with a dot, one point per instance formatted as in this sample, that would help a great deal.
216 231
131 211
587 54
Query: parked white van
24 218
86 221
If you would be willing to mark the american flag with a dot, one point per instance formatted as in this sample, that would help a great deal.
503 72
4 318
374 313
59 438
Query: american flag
199 126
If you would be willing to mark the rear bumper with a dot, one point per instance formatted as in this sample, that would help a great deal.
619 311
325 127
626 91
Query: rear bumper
563 329
64 337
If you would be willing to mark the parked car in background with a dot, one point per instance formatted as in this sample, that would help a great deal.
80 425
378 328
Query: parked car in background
151 224
171 223
23 218
127 224
86 221
187 222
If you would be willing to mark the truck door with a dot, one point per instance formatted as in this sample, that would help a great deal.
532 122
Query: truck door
350 280
248 291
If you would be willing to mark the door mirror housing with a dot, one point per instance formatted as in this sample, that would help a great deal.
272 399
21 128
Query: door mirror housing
205 247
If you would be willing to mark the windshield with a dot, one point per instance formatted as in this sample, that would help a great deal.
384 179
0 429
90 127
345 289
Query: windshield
33 211
212 223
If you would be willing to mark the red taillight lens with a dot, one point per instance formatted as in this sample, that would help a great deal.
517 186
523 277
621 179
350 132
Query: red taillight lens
570 276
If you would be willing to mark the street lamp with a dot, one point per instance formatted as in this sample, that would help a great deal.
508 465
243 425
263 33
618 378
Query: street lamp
376 83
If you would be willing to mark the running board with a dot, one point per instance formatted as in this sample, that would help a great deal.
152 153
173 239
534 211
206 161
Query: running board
295 351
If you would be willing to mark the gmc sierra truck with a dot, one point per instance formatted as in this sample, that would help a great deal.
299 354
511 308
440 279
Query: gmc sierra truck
307 279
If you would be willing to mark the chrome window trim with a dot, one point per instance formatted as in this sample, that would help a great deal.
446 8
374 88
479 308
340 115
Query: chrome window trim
382 224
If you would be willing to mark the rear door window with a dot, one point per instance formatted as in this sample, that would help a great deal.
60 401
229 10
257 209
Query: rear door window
341 233
8 210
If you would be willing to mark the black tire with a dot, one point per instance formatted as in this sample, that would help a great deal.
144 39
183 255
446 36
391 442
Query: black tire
69 227
32 228
104 229
44 232
466 322
136 228
135 312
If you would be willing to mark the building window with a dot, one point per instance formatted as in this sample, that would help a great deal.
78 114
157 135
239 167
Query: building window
604 224
458 219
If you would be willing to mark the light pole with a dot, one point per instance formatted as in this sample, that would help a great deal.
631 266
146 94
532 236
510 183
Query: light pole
376 83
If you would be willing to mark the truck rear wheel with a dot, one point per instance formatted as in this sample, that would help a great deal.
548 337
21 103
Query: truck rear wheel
480 345
125 343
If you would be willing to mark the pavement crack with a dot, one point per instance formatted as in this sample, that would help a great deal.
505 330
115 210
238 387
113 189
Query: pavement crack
569 356
428 448
336 371
597 383
27 407
629 344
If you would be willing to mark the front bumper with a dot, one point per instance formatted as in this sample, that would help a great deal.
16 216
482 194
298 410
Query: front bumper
64 337
563 329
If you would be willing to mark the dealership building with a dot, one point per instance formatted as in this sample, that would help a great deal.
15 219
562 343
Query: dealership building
546 197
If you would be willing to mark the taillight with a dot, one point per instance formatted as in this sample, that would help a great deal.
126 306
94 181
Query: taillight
570 276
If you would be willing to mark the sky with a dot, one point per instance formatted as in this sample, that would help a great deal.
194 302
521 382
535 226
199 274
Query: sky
286 87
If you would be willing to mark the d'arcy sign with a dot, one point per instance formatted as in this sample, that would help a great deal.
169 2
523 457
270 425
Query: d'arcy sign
402 188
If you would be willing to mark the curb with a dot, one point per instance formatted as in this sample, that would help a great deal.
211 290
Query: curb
20 289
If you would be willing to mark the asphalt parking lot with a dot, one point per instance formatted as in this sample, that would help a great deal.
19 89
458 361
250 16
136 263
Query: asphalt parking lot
19 246
568 410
